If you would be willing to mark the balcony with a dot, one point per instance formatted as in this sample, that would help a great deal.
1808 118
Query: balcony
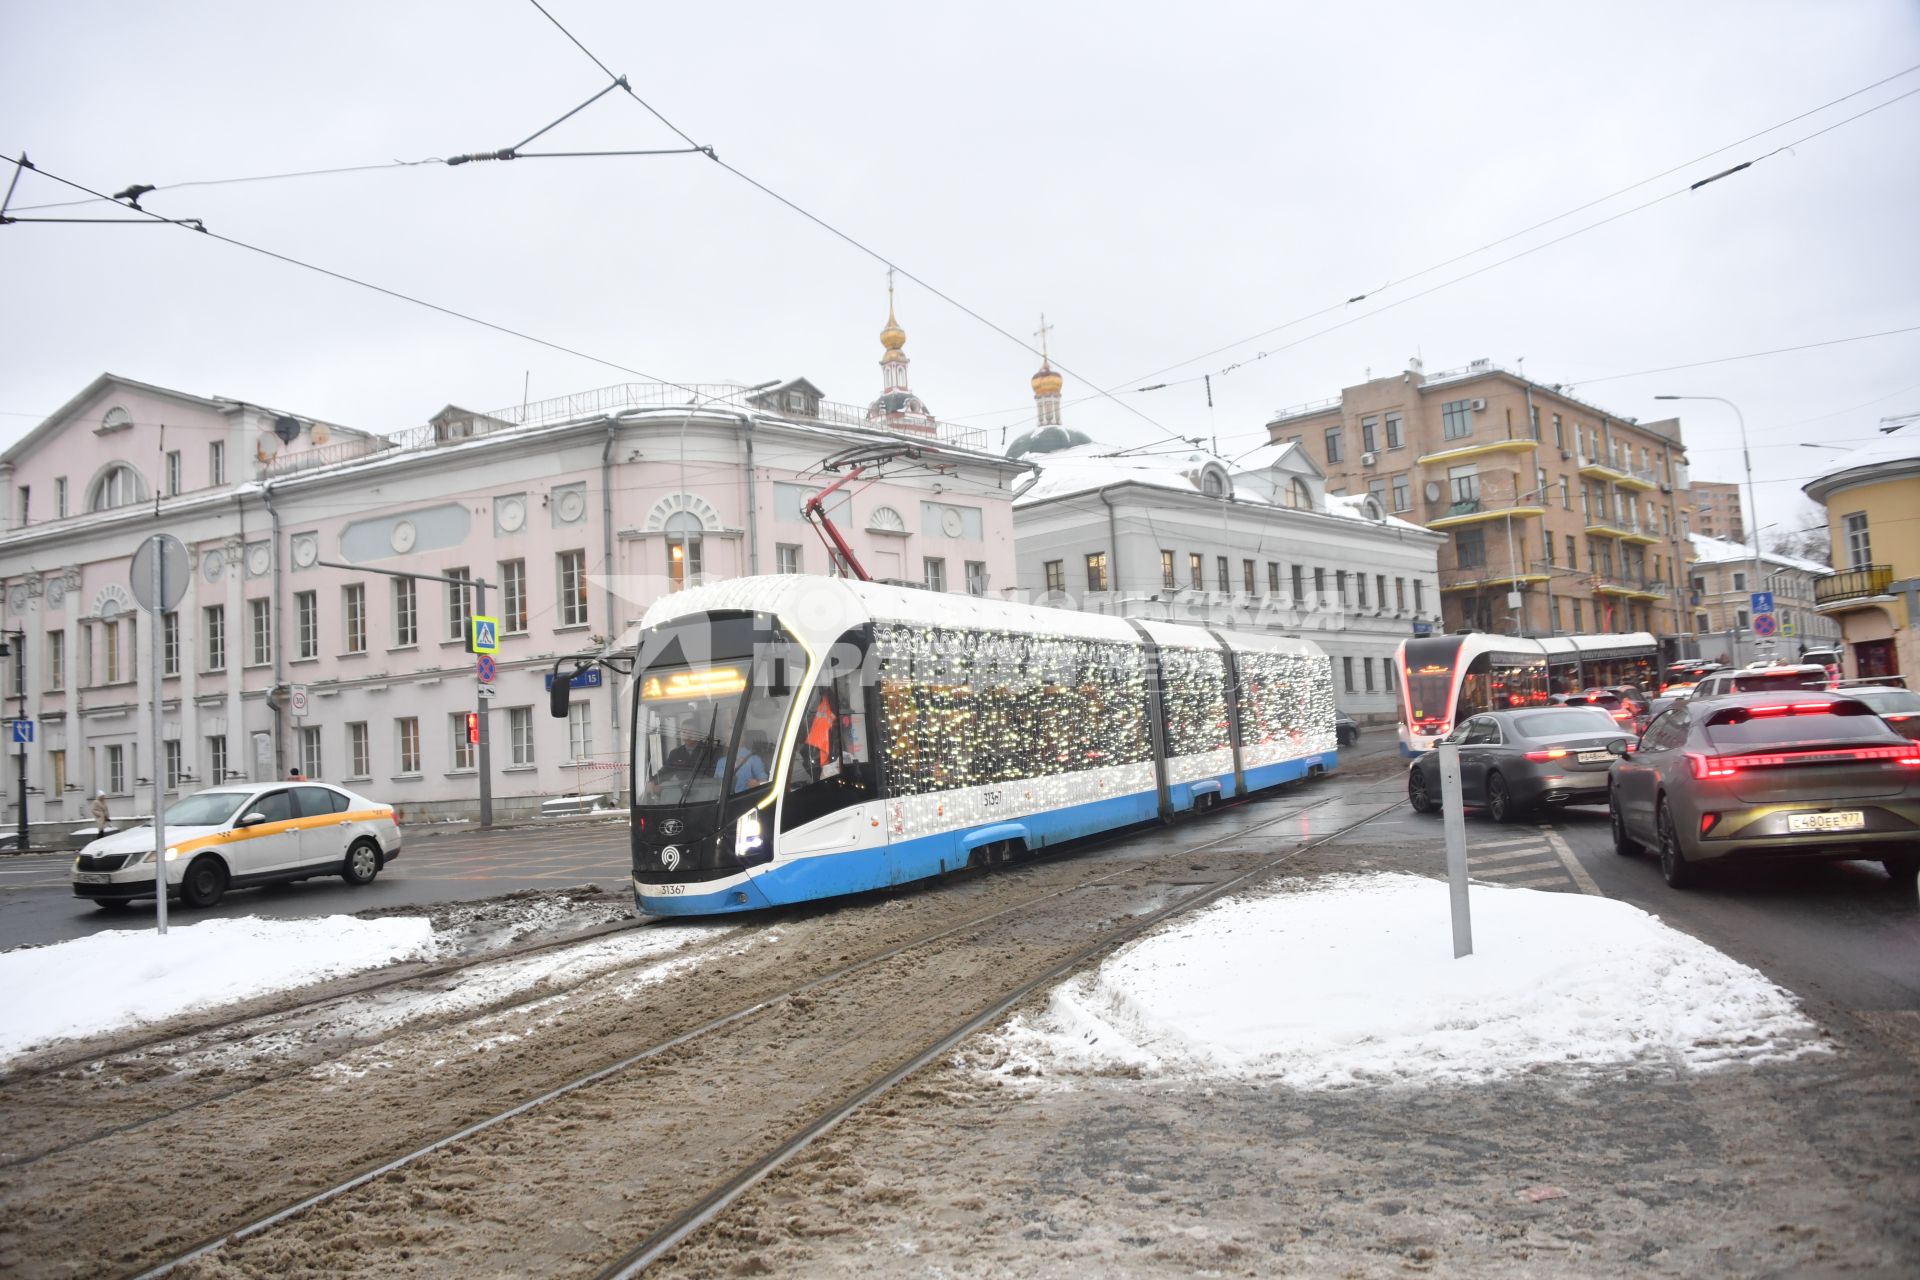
1626 530
1600 467
1852 588
1628 587
1466 452
1450 515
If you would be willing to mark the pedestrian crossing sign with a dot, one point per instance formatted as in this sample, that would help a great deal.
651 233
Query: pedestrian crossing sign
1786 626
486 634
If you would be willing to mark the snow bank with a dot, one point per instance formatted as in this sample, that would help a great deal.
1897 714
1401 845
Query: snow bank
1352 981
117 978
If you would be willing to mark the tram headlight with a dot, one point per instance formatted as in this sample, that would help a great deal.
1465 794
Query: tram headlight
746 834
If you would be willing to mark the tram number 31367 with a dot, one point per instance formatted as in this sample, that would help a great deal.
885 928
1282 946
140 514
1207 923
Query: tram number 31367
991 799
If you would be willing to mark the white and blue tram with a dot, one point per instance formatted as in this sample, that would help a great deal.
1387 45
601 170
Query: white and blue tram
800 737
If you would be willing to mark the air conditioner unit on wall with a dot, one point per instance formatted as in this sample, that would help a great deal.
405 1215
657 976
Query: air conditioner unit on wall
1368 459
1479 406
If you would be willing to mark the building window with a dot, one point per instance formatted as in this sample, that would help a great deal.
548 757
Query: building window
1419 595
1370 435
25 498
406 613
1097 571
56 659
353 608
1456 419
1578 622
57 771
1394 438
216 759
933 572
359 750
459 603
1740 619
119 487
1533 420
214 623
217 462
1559 434
1366 672
1334 449
310 766
1360 590
407 731
1056 574
170 757
1469 548
110 641
513 596
1346 672
519 736
1340 586
1573 553
1222 575
1463 484
170 643
463 748
1739 581
60 498
976 577
786 557
683 563
1273 577
1320 587
579 730
573 585
116 769
1701 622
1402 493
173 472
1377 489
1247 578
1859 545
1196 571
306 616
1299 583
259 632
1400 594
1166 570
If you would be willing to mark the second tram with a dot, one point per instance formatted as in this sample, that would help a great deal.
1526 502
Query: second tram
1445 679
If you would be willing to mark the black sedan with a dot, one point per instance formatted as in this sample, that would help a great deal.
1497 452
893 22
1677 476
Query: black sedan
1512 761
1346 730
1791 774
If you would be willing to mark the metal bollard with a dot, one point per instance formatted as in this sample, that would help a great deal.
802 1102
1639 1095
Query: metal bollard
1453 820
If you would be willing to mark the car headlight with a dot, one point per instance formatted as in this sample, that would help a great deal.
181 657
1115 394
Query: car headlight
139 859
746 834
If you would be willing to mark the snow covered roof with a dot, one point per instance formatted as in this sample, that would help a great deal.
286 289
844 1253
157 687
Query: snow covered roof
1895 446
1720 551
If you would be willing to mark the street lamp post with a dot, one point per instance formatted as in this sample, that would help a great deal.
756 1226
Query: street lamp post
1746 460
1513 567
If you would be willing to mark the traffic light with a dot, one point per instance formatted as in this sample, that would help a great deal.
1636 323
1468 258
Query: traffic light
473 726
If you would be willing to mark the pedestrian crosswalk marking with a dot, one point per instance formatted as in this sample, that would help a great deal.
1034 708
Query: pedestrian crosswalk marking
1526 866
1531 851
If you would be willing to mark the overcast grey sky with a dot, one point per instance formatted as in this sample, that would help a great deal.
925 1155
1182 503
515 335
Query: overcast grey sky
1160 180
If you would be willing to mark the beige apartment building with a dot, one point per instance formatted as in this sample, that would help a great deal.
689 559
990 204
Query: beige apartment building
1716 510
1561 518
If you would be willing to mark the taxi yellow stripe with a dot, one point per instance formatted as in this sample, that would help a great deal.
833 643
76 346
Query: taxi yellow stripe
276 828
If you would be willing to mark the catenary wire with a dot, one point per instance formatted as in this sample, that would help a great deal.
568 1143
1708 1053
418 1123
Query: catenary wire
382 289
1751 355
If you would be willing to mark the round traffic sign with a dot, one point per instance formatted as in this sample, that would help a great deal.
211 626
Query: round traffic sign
486 669
1763 624
173 573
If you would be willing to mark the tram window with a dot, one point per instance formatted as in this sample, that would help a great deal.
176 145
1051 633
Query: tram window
831 767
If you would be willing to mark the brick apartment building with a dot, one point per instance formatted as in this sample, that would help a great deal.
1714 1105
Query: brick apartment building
1561 517
1716 510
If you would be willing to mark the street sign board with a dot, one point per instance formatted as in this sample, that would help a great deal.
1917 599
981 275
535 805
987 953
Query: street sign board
1763 602
297 699
487 691
1786 627
486 634
22 730
1763 625
174 572
486 669
589 678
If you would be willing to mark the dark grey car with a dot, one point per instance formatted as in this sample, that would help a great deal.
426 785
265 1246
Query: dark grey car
1793 774
1512 761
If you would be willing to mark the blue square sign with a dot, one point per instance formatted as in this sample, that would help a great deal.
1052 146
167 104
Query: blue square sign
1763 602
22 730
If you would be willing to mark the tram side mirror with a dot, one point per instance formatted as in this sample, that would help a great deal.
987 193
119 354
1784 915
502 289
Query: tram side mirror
559 695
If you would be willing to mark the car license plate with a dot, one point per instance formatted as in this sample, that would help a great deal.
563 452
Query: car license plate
1845 820
91 877
1595 757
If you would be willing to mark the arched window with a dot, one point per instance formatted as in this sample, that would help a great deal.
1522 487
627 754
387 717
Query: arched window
1213 484
684 559
118 486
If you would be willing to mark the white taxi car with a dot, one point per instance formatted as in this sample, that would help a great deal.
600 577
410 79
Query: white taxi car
228 837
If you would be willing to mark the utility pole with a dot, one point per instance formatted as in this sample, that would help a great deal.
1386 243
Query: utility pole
18 649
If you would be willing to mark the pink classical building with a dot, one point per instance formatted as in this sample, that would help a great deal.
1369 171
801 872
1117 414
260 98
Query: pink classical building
577 512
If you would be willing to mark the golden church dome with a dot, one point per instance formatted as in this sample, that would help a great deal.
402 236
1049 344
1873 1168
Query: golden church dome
1046 382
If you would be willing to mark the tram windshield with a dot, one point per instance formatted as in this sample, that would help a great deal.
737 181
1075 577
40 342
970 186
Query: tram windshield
709 730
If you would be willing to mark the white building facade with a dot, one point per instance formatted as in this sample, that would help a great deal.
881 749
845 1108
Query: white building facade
577 513
1254 545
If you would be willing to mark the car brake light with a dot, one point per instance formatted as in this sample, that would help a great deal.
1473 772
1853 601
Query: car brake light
1900 715
1708 821
1710 766
1551 753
